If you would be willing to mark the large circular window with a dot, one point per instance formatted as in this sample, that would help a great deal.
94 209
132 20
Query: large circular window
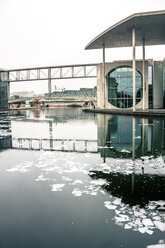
120 87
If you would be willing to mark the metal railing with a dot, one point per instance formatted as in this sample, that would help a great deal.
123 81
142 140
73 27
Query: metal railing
67 145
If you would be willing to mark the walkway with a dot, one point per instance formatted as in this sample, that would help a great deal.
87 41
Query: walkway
147 113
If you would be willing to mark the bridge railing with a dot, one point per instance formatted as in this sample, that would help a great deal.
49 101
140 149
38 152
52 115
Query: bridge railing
48 73
67 145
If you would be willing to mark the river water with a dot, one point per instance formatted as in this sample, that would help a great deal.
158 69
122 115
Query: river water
75 179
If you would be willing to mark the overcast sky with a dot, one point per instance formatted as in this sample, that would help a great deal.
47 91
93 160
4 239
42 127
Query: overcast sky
51 32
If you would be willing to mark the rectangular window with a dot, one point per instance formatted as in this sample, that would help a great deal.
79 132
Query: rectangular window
150 87
150 75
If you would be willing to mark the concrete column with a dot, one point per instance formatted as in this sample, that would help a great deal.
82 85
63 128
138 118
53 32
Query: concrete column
104 143
49 82
143 135
8 85
134 69
143 74
104 87
8 89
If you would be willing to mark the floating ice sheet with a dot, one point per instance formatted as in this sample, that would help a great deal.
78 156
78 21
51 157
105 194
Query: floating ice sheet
142 220
77 182
109 205
42 178
77 174
57 187
68 179
156 246
160 225
99 182
147 222
124 150
77 192
23 167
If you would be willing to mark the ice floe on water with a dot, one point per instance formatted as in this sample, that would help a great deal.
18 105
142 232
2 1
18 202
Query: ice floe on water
99 182
58 187
23 167
143 220
135 218
161 244
156 246
48 162
124 150
66 178
160 225
77 172
117 201
77 192
109 205
42 178
77 182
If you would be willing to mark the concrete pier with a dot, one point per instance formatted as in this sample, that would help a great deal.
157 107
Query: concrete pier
140 113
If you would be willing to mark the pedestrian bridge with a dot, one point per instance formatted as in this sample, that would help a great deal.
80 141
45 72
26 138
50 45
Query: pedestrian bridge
48 73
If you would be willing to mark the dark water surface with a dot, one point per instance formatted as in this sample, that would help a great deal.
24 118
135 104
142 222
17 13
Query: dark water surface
70 179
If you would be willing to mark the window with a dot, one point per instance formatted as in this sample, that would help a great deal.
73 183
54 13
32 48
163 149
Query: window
150 87
120 87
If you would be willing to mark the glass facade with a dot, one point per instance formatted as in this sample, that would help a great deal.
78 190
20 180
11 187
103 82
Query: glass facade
120 87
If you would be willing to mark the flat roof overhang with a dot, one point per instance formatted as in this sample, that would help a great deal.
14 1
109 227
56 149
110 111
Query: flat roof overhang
149 26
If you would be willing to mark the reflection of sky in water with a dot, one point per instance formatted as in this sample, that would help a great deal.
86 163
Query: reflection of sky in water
68 130
59 123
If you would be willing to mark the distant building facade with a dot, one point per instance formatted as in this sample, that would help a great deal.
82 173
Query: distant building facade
23 94
83 92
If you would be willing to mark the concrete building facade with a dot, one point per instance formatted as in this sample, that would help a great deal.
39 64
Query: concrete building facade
154 85
136 84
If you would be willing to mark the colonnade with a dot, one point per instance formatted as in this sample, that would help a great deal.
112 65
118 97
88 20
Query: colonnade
133 67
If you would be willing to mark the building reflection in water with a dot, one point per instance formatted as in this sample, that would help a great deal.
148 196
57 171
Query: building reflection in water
140 143
145 188
133 149
129 137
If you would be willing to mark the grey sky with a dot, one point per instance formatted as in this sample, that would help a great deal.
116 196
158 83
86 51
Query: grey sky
50 32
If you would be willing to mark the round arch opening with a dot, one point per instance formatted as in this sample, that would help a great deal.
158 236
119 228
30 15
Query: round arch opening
120 87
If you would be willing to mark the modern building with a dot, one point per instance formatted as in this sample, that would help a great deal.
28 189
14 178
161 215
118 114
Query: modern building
3 93
132 84
23 94
82 92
